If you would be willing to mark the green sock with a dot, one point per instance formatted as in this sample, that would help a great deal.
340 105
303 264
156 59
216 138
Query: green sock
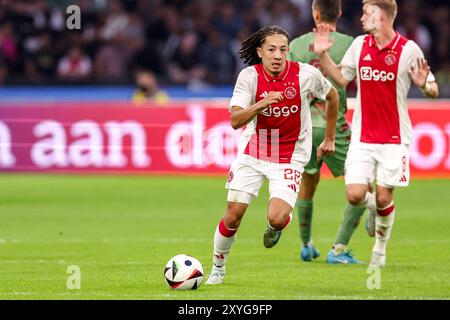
304 211
352 217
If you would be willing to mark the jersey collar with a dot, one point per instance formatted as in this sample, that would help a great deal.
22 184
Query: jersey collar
280 77
390 46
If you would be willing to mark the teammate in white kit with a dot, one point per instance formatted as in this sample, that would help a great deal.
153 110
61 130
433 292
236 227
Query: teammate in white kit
384 64
271 97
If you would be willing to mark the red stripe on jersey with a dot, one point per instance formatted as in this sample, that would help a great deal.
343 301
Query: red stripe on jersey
378 87
278 126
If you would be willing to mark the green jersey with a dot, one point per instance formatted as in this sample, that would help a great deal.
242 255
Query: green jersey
301 49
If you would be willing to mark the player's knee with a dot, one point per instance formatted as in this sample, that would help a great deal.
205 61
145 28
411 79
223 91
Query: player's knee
383 200
306 194
280 221
308 186
232 221
355 198
277 222
234 214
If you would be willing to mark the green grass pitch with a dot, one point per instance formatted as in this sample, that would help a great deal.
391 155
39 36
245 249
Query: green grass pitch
121 231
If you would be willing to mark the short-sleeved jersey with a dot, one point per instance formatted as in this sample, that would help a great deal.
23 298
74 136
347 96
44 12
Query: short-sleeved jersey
383 79
301 49
280 132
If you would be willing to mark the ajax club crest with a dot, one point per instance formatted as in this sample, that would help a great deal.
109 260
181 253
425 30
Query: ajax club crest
390 59
290 93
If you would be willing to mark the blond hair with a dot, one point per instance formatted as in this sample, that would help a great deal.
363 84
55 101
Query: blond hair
388 6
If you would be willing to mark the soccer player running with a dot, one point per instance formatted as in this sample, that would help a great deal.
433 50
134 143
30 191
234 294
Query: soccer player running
302 50
384 64
271 98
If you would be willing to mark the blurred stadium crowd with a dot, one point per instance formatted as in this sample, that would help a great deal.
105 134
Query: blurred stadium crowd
192 43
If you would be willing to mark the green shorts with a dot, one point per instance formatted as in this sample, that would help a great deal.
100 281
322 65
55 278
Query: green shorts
336 162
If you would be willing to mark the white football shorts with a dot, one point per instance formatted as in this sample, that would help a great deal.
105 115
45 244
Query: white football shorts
388 164
247 174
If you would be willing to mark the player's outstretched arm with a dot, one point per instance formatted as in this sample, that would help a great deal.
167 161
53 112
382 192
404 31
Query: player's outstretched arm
419 76
240 116
322 43
327 147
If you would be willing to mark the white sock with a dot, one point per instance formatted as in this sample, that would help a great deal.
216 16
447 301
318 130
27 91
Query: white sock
339 248
270 226
223 241
367 198
383 228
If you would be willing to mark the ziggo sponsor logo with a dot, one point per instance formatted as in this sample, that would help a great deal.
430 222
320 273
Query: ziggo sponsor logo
280 111
369 74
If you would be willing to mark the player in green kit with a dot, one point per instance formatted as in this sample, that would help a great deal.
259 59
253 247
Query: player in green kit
302 50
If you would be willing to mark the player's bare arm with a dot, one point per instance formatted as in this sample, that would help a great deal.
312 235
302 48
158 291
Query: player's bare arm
240 116
322 44
419 75
327 147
